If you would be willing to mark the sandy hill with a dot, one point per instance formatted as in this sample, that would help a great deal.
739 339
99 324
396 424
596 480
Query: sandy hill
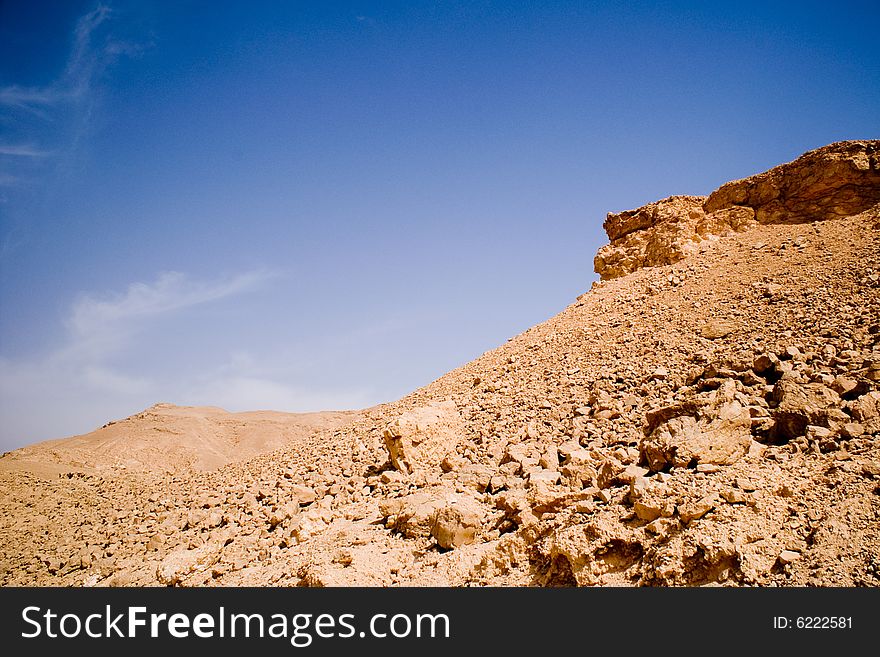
173 439
707 414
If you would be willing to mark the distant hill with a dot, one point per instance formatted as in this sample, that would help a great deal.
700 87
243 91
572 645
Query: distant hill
174 439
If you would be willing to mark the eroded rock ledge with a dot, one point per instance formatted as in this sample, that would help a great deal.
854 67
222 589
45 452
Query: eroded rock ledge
838 180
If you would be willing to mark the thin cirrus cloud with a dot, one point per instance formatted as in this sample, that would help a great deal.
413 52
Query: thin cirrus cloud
59 111
22 150
170 291
82 65
91 373
32 99
100 327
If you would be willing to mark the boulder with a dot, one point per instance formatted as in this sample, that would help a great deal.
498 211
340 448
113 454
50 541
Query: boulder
453 520
179 564
516 507
475 477
303 494
538 477
608 473
411 515
717 328
455 525
283 513
713 428
788 556
423 437
866 411
801 405
691 511
578 468
647 510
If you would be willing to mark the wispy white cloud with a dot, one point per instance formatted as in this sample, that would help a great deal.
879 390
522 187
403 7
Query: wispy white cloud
245 392
34 99
171 291
83 63
245 382
60 110
82 55
80 379
22 150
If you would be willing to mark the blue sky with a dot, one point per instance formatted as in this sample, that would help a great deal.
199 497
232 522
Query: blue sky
301 206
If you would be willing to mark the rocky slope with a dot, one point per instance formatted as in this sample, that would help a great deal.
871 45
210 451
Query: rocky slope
707 415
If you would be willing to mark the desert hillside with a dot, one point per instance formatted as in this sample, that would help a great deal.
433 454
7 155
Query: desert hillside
707 414
172 439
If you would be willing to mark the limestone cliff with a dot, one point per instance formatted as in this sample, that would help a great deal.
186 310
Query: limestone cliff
838 180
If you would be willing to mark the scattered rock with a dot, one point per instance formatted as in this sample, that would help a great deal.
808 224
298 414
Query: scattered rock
866 411
303 494
843 385
737 496
455 525
687 513
608 473
788 556
662 527
181 563
717 328
411 515
660 373
544 476
764 363
647 511
852 430
631 473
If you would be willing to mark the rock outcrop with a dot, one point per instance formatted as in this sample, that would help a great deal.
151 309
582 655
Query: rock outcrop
838 180
664 232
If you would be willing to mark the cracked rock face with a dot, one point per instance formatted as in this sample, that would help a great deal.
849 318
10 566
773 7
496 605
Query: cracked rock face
838 180
834 181
718 432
